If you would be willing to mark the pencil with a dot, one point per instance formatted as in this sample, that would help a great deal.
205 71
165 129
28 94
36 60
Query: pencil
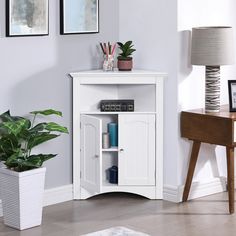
105 47
102 48
113 49
109 46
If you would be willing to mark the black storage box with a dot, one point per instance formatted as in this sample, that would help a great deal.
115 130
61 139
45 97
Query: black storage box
117 105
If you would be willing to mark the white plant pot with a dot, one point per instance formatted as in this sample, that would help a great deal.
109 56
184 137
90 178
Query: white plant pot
22 197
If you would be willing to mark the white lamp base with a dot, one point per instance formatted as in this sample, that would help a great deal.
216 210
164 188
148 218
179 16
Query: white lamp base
212 92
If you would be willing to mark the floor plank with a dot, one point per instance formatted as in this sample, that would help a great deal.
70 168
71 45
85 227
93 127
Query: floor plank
205 216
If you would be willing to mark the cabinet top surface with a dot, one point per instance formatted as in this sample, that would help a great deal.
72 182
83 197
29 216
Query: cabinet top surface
116 73
224 113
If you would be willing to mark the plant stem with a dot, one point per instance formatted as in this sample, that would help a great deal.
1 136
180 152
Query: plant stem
32 124
27 151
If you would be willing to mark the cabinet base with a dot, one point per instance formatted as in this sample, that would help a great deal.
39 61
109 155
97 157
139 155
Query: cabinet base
148 192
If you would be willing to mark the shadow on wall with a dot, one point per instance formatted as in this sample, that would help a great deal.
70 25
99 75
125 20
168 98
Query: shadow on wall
185 67
49 89
190 80
190 96
206 161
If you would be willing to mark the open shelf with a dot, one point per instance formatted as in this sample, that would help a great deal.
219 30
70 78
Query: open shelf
111 149
144 96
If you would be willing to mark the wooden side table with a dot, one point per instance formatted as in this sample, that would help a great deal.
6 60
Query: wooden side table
213 128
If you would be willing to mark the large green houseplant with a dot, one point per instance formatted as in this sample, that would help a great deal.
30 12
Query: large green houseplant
22 175
125 60
19 135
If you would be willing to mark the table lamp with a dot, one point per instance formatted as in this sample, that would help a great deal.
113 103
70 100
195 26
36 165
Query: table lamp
212 47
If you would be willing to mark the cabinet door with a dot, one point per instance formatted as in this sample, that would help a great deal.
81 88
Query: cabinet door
137 149
91 132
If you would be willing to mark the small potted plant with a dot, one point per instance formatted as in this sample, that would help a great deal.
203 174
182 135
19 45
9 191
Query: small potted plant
125 61
22 175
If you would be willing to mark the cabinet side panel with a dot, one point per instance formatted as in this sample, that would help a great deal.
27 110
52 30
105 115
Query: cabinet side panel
76 138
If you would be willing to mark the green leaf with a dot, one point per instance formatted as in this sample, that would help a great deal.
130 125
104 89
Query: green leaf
32 163
39 127
15 127
126 50
128 44
42 157
130 51
47 112
51 126
12 160
6 117
24 135
8 144
3 157
120 44
19 163
40 138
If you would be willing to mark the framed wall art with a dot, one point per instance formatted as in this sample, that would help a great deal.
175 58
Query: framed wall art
27 18
79 16
232 95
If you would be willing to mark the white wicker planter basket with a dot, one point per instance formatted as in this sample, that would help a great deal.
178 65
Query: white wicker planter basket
22 197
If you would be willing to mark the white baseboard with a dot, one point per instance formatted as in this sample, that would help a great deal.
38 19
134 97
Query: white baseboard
58 195
198 189
54 196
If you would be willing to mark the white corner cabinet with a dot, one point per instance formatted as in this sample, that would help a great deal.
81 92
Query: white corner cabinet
139 154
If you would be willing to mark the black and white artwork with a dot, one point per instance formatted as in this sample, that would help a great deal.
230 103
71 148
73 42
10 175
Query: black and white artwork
232 95
26 17
79 16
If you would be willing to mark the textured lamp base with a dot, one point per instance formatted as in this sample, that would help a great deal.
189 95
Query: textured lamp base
212 92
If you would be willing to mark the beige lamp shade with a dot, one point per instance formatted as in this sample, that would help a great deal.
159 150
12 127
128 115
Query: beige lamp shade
212 46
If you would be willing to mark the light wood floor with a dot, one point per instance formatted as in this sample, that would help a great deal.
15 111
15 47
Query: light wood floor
205 216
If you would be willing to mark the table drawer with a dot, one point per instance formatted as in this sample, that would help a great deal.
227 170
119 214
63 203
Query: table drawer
208 129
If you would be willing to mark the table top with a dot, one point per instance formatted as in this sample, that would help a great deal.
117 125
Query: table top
224 112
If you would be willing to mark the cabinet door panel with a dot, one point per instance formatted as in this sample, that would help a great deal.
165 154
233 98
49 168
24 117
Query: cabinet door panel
91 130
137 149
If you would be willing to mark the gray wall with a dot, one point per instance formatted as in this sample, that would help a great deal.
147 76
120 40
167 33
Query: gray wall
34 76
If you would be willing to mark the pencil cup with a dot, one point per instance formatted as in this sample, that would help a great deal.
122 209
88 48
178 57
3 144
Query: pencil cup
108 64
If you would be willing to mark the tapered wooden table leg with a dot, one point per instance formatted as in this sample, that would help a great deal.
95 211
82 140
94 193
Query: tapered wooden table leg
230 177
191 168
